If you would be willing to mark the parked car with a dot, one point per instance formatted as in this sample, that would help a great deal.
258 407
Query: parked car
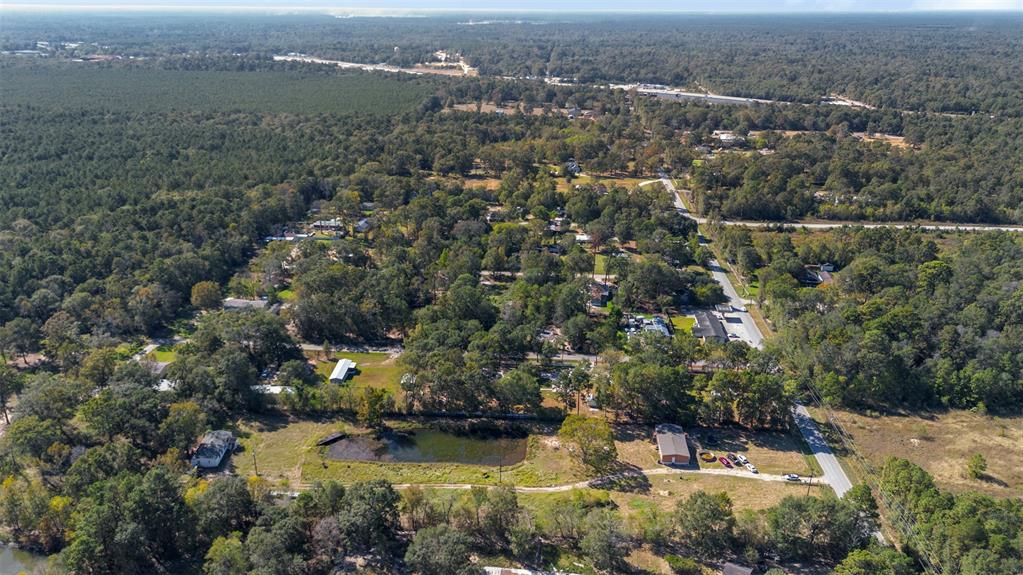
740 308
707 456
752 468
733 336
791 477
731 457
724 461
742 459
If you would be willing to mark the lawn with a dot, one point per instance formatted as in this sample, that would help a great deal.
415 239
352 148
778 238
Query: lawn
683 323
941 443
600 264
164 354
286 294
378 370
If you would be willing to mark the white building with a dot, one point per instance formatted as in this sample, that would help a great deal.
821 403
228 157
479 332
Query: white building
342 370
211 451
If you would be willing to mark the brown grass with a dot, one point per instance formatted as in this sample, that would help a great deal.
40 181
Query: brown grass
941 443
771 452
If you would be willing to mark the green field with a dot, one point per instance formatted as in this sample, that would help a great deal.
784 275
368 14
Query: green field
83 86
164 354
374 370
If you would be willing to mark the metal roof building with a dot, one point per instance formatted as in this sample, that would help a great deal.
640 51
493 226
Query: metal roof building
672 445
342 370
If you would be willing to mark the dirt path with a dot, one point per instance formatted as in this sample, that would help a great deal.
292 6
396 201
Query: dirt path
597 482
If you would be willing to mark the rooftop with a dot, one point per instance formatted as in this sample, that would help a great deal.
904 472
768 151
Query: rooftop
671 439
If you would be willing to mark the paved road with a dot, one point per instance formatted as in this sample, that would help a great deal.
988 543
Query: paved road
898 225
833 472
739 323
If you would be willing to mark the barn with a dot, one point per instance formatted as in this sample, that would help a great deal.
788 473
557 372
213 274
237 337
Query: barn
672 445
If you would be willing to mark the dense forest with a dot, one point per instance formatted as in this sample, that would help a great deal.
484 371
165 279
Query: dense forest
960 63
905 322
136 193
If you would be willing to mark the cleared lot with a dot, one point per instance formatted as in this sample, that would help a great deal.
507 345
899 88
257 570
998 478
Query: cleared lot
942 442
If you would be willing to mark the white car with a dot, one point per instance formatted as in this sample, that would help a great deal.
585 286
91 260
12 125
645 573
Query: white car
740 309
752 468
742 459
791 477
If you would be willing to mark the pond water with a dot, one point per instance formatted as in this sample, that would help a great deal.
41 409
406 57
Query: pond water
13 561
430 446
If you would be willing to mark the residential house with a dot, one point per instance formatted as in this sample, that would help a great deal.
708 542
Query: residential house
331 225
236 304
600 294
215 445
709 328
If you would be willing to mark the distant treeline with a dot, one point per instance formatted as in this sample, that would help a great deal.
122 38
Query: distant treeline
935 62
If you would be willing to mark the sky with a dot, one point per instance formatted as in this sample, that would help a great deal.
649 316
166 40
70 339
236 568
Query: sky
391 6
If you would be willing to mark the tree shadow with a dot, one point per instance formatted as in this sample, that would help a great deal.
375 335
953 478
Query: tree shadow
625 478
988 478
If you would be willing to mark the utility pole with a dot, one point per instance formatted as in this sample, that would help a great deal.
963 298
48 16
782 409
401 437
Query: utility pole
254 466
809 483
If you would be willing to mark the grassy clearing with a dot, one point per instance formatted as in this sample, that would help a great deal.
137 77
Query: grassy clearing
164 354
286 452
683 323
286 294
665 491
378 370
942 442
281 447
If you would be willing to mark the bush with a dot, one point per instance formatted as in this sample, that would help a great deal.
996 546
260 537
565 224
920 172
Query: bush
683 565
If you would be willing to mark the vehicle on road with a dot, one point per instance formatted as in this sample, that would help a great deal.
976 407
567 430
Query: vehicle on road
724 461
752 468
791 477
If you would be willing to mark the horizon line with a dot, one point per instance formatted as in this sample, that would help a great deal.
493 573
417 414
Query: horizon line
423 12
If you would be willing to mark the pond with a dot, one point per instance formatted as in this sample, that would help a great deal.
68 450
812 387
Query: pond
430 446
13 560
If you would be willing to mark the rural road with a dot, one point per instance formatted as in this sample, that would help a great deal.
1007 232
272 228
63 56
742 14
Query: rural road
833 472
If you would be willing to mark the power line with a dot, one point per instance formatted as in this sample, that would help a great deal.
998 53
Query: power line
898 516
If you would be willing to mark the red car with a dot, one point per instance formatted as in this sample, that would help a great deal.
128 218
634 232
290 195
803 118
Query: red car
724 461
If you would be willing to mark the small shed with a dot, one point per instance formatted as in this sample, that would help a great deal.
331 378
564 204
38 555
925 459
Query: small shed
672 444
342 370
212 449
